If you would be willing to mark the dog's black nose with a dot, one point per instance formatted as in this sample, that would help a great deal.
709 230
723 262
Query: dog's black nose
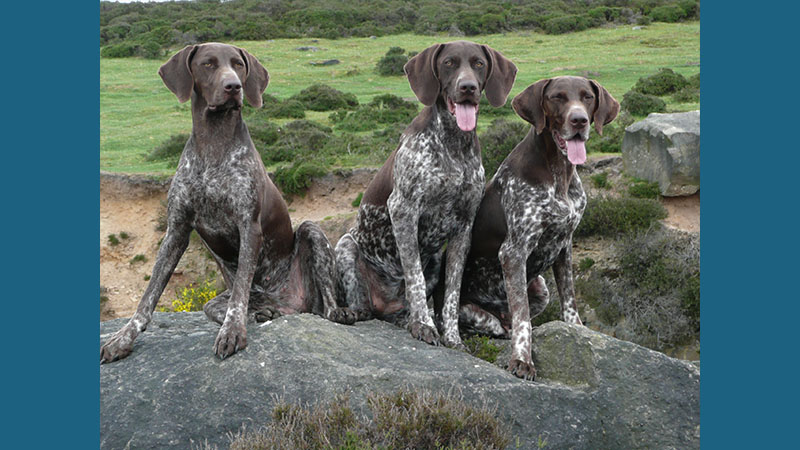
578 120
468 86
232 86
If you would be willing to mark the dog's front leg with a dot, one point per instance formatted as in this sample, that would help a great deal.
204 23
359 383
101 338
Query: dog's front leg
562 271
172 247
513 255
405 225
232 336
457 248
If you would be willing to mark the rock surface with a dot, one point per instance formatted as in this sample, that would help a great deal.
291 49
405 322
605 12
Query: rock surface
592 391
665 148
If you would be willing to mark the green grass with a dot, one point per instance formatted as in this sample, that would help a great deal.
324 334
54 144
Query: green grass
137 112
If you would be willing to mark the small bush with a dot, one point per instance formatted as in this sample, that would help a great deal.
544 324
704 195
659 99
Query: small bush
482 347
392 62
357 202
644 189
663 82
170 150
138 258
296 178
600 180
607 216
300 138
497 142
381 110
406 419
123 50
321 97
113 240
585 264
194 296
642 104
667 13
487 110
568 23
687 95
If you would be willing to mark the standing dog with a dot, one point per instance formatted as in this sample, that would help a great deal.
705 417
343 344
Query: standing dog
528 214
425 195
222 190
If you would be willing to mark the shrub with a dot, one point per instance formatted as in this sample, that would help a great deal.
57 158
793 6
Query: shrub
600 180
138 258
357 202
113 240
497 142
687 95
123 50
567 23
667 13
609 216
663 82
482 347
405 419
296 178
642 104
392 62
644 189
382 109
487 110
170 150
194 296
300 138
321 97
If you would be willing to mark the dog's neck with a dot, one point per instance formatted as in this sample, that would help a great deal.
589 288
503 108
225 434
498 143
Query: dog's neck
445 125
214 132
557 163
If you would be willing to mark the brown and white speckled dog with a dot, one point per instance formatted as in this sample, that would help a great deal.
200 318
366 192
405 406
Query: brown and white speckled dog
425 194
527 216
222 190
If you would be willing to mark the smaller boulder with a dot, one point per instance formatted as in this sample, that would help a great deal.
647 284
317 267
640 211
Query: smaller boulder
665 148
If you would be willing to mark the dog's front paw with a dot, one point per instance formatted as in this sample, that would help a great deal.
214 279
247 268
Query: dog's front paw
424 332
231 338
450 342
119 346
522 369
342 315
266 313
362 314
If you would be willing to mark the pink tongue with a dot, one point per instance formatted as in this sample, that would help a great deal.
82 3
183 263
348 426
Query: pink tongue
465 116
576 151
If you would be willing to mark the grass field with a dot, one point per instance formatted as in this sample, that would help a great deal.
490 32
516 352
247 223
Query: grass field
137 112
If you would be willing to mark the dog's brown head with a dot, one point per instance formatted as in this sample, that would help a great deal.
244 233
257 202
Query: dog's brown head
218 73
456 73
566 106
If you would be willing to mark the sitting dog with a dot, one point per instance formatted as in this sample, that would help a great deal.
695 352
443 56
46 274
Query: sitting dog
425 195
528 214
222 190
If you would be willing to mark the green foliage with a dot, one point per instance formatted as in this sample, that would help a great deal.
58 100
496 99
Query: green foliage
569 23
300 138
585 264
382 110
608 216
487 110
482 347
642 104
497 142
405 419
392 62
667 13
551 312
644 189
321 97
357 202
169 150
138 258
600 180
296 178
194 296
665 81
122 50
113 240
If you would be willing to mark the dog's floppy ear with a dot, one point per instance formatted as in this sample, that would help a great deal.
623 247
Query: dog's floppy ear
528 104
607 107
255 81
500 78
176 73
421 73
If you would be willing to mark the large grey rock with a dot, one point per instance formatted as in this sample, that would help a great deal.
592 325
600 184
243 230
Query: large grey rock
593 391
665 148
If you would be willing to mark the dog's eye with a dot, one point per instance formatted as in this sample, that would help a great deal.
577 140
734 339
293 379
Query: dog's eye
448 63
207 64
588 97
479 64
238 64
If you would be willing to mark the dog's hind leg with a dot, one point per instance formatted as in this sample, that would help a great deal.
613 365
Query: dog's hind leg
317 262
472 319
351 285
538 296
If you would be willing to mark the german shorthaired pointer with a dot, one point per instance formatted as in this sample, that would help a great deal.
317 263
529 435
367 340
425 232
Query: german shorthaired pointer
528 214
222 190
425 195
